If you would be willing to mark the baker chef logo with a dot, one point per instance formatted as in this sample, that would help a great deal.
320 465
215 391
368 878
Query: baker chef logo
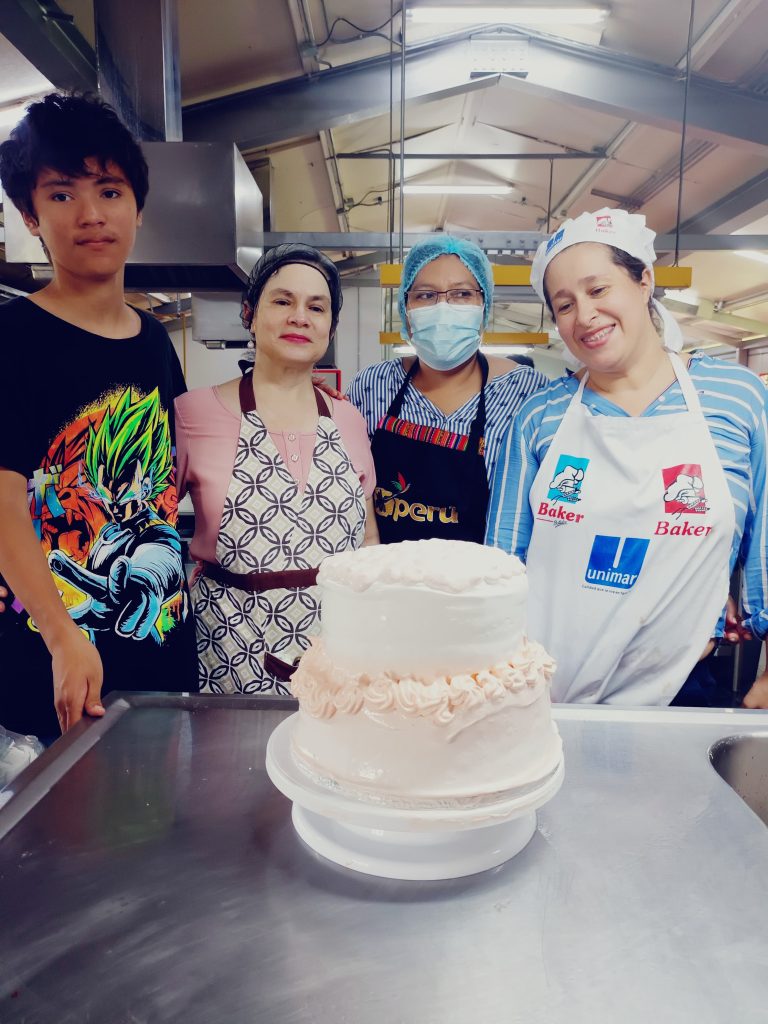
616 562
684 490
604 222
567 479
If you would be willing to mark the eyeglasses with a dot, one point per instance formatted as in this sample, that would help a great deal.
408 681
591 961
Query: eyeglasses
457 296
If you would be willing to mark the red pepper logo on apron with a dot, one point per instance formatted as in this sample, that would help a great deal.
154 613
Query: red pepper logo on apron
385 499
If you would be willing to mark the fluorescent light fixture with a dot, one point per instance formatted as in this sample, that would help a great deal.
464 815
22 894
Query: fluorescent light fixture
752 254
754 337
457 190
491 350
513 15
687 295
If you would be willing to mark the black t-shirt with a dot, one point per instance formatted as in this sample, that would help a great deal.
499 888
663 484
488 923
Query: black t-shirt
88 421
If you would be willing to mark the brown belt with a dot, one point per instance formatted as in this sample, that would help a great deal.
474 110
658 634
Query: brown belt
278 668
259 582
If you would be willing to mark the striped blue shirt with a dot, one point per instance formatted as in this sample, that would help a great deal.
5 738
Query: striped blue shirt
734 402
374 388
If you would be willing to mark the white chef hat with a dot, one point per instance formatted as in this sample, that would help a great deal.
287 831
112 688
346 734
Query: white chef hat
625 231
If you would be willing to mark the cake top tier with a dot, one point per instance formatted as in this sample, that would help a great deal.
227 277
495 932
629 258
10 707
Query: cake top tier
452 566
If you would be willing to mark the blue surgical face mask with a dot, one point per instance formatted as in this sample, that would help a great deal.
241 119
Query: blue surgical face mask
445 335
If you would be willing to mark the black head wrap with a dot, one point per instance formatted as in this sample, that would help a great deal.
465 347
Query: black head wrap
280 256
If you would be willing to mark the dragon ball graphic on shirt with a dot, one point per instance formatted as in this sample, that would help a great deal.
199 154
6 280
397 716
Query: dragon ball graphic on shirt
104 506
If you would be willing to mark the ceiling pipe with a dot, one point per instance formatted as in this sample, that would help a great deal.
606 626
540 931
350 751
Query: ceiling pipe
384 154
137 65
306 45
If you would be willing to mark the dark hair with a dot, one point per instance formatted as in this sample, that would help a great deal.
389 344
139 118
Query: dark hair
281 256
633 266
61 132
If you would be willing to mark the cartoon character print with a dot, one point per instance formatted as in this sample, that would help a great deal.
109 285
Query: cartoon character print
62 512
104 504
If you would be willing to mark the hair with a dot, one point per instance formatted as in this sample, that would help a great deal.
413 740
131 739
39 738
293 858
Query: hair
522 360
132 430
633 266
282 256
61 132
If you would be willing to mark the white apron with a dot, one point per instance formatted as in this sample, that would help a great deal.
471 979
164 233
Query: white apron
268 526
629 555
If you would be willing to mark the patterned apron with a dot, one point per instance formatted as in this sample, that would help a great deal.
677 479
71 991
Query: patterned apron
270 530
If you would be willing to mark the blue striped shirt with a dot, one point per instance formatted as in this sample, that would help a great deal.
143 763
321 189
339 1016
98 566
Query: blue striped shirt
734 402
374 388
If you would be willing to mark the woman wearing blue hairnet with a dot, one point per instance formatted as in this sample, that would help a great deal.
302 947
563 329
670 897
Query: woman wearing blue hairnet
436 421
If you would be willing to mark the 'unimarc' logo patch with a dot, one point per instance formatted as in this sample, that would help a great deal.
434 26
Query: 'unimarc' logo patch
616 562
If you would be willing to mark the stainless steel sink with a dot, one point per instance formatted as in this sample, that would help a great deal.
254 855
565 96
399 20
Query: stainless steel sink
743 762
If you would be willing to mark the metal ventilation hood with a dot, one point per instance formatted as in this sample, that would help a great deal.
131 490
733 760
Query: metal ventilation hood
202 225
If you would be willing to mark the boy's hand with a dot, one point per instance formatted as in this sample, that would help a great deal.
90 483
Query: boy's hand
77 679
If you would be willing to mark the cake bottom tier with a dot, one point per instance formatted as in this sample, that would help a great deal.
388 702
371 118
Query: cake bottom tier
482 756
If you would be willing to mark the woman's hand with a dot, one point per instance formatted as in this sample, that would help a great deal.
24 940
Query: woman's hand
757 697
734 631
322 384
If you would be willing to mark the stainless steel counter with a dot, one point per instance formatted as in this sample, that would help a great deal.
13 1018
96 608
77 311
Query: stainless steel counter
149 872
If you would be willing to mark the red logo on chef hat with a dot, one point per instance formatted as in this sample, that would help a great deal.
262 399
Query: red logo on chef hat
684 490
604 222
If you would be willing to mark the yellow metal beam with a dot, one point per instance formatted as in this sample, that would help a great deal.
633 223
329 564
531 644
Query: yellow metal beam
520 276
673 277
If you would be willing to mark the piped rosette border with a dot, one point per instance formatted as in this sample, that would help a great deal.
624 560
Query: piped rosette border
324 690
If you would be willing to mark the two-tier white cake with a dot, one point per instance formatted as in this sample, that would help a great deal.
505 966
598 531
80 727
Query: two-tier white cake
422 690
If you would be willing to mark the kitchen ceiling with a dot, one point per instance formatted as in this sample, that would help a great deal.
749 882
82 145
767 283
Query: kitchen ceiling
297 82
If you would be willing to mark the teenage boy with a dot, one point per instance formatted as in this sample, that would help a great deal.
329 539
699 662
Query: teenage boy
88 540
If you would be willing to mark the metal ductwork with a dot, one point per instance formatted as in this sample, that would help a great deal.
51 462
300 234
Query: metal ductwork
203 219
202 225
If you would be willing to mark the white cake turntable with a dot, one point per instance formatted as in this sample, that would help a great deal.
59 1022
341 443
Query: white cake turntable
393 842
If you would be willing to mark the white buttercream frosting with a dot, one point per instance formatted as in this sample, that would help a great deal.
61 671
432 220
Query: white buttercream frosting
323 689
425 608
423 689
450 566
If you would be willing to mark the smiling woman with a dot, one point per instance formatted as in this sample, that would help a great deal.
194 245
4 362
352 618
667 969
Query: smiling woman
280 478
632 487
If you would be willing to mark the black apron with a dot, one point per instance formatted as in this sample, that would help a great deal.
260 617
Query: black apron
431 482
